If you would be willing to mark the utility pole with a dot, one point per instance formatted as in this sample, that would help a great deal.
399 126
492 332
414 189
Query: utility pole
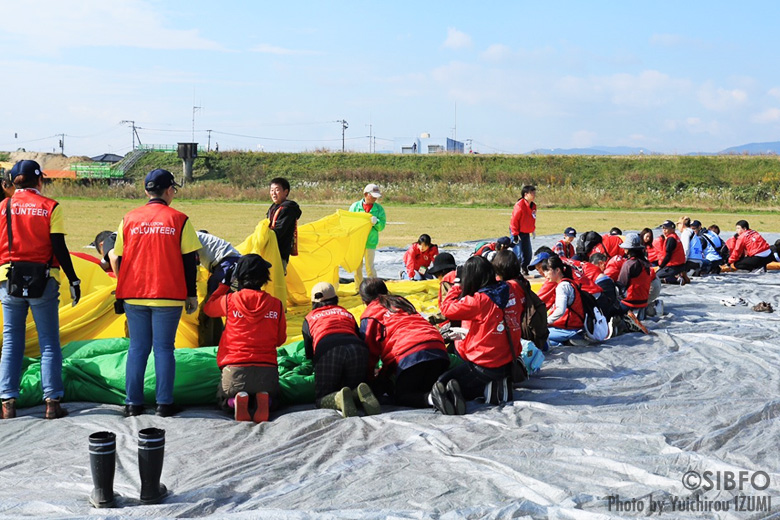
208 147
370 137
62 144
133 133
194 109
344 126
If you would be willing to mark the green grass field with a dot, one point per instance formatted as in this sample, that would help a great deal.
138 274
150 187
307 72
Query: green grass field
234 221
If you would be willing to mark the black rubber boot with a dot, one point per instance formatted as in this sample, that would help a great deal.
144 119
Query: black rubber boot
151 450
102 462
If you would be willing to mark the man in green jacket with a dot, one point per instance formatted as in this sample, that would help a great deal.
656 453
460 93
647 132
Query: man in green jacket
370 205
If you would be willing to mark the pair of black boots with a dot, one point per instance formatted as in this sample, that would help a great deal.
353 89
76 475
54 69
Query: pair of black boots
102 460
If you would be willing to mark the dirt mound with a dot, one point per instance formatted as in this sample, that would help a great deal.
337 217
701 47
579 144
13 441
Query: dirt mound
49 161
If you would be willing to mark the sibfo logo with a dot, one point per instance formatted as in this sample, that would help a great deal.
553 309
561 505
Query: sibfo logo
726 480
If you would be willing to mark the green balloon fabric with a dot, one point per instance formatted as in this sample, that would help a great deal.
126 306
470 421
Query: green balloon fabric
94 371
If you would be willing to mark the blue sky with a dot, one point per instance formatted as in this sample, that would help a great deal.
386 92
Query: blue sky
511 76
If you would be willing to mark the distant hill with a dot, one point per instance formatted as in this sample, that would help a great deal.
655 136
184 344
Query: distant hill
772 148
596 150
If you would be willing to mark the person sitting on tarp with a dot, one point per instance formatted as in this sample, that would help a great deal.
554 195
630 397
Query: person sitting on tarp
672 263
566 315
411 349
750 252
564 247
255 327
418 258
331 339
493 310
489 249
714 250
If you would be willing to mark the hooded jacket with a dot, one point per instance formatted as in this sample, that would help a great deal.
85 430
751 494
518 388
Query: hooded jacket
414 258
486 343
254 328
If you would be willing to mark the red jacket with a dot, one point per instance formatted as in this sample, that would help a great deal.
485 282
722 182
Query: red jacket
591 271
583 279
612 245
574 316
749 243
414 258
152 264
614 264
447 282
547 293
391 336
254 328
486 343
30 227
523 218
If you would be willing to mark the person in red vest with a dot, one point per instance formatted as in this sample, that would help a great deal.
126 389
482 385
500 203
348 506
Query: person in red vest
566 315
411 349
156 248
672 263
634 280
331 339
564 247
418 258
522 224
37 236
750 252
283 216
255 325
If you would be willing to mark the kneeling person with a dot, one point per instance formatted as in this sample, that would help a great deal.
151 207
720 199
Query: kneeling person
254 328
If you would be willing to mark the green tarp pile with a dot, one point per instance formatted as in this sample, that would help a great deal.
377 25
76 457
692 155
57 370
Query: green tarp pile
94 371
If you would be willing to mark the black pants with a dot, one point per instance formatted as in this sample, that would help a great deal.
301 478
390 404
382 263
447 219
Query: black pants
413 384
749 263
473 378
667 274
344 365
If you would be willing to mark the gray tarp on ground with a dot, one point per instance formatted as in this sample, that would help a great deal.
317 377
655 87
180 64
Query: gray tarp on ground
629 417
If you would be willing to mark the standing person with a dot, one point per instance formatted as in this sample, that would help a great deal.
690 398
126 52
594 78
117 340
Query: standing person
284 214
411 349
255 326
671 256
486 350
418 258
750 252
331 339
217 256
156 247
564 247
37 236
369 204
522 225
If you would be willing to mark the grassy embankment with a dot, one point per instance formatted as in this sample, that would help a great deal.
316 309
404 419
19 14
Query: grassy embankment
421 192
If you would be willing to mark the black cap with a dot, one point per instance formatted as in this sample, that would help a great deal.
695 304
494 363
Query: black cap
668 224
570 232
27 168
504 241
251 267
442 262
159 179
696 223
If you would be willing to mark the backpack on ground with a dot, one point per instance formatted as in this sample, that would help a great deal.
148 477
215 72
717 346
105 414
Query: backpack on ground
595 324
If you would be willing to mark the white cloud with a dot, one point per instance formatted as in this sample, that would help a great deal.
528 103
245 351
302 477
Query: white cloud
50 25
774 92
497 52
770 115
265 48
456 39
667 40
720 99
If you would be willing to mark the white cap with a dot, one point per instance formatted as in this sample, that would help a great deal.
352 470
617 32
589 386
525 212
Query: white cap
373 190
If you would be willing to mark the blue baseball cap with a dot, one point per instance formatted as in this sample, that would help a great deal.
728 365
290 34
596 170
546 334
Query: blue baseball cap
159 179
537 259
26 168
570 232
504 241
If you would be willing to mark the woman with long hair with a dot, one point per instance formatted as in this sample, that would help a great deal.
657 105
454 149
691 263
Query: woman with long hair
566 316
491 316
411 349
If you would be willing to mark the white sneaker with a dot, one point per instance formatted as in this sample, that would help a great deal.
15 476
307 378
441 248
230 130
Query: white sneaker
658 307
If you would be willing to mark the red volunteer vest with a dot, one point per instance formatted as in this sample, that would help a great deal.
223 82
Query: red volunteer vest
331 319
638 290
678 255
574 316
30 226
402 334
152 265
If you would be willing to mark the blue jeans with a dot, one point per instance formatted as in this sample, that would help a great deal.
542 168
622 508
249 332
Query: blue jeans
45 312
151 326
524 250
560 336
